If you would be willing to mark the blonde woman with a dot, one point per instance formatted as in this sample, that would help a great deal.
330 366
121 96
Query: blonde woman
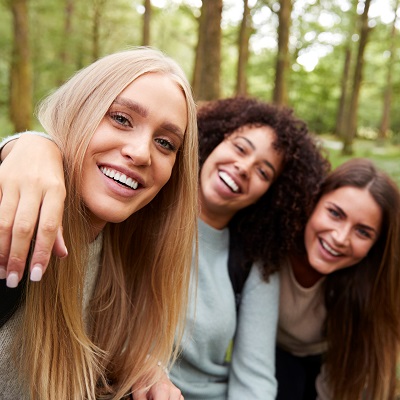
103 319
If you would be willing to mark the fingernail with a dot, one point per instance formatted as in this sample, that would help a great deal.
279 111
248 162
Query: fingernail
12 280
36 273
3 273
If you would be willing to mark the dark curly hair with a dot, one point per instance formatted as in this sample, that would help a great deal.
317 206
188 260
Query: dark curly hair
268 229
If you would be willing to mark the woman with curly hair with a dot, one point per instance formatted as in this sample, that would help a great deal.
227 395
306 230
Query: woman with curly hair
340 298
259 171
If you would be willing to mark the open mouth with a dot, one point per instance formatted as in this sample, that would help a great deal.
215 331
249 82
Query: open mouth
228 181
119 177
329 248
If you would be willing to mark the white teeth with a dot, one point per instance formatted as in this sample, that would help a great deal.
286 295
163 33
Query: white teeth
329 249
117 176
229 181
122 178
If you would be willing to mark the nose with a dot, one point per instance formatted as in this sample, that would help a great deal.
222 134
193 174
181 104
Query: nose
138 148
243 167
341 235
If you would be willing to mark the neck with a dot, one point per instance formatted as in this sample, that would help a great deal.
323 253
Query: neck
94 232
214 218
216 221
304 273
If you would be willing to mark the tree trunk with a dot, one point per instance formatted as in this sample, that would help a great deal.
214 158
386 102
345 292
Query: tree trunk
98 9
243 46
351 128
282 61
65 56
343 106
342 114
146 23
206 76
387 101
21 69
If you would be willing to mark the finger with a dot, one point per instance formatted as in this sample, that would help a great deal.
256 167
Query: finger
140 395
23 229
49 234
164 390
59 248
8 208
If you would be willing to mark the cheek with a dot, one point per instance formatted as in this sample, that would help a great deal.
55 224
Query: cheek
206 170
260 190
361 250
163 173
310 233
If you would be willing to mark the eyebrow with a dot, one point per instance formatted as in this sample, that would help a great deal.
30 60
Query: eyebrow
251 144
367 227
136 107
144 112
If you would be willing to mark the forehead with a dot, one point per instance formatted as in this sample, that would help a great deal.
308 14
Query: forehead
158 97
255 133
358 204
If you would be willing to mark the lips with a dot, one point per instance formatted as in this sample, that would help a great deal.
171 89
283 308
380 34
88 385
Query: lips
229 181
329 249
119 177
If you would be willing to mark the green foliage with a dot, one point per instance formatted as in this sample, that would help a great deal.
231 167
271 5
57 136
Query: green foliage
319 27
386 157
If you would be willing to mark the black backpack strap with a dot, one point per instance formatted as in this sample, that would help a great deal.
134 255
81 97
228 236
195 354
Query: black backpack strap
10 299
238 269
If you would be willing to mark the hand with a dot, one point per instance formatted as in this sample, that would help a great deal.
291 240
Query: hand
32 193
164 389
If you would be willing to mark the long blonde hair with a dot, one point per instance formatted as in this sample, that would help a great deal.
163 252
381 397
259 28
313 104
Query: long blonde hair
141 292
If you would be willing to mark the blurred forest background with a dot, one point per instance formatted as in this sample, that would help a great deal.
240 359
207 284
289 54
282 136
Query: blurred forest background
336 62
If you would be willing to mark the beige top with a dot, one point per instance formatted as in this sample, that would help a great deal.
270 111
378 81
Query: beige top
12 388
301 315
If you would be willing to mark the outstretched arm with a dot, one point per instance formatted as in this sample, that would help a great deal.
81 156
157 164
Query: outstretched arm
32 194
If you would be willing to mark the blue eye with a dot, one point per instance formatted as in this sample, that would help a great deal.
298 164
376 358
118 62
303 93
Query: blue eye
120 119
363 232
166 144
334 213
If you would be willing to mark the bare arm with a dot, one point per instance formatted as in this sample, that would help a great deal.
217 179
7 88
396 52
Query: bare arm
32 194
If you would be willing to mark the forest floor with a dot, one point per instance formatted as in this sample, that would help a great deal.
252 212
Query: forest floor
386 156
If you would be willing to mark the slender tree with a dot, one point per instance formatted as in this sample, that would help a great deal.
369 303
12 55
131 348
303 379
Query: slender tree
351 128
342 108
387 100
21 69
206 73
243 46
343 105
65 56
146 23
280 95
98 11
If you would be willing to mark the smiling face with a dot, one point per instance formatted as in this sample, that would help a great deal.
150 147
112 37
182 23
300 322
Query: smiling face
131 155
237 173
342 229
